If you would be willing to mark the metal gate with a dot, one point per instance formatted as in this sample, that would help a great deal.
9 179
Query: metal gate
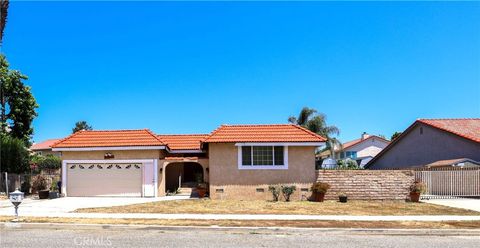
450 182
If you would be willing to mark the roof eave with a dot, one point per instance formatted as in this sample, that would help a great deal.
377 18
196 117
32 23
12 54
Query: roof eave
109 148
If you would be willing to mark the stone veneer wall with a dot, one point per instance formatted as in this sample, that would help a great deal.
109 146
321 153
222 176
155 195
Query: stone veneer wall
368 184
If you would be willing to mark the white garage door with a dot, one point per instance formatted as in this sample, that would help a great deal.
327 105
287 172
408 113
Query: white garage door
104 179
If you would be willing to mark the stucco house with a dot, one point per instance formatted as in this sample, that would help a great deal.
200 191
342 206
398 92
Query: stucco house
45 147
237 161
428 141
362 150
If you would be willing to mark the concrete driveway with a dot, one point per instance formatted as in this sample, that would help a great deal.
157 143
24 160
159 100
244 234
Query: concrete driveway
68 204
465 203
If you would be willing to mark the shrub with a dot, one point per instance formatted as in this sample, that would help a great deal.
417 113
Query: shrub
54 186
39 182
287 191
418 187
347 164
320 187
49 162
275 189
14 155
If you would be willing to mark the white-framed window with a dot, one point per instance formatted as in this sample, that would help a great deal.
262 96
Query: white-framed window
265 157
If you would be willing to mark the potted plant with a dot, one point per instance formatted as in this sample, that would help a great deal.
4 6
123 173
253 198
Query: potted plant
416 189
201 190
53 191
319 190
40 184
342 197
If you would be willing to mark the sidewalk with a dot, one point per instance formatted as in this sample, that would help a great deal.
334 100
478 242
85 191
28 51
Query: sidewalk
252 217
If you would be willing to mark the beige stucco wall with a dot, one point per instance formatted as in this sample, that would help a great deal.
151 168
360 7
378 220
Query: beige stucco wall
243 184
132 154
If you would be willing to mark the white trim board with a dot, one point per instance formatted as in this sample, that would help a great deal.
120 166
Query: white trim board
108 148
185 151
281 144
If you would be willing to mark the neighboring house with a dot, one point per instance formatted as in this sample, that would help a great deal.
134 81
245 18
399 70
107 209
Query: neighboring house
361 150
429 140
461 162
238 161
45 147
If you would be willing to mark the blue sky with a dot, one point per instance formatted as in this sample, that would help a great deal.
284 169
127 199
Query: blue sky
179 67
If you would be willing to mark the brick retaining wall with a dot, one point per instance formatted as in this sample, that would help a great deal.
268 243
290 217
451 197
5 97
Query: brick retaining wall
367 184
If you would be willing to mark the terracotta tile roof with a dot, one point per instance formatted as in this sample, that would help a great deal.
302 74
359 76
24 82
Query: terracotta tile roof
113 138
47 144
262 133
466 128
183 141
357 141
450 162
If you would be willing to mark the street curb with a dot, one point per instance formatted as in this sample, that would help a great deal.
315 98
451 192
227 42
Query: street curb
305 230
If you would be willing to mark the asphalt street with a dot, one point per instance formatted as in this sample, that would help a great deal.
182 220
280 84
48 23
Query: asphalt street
193 237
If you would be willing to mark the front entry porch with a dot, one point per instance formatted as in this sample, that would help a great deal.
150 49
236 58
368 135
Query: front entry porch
181 175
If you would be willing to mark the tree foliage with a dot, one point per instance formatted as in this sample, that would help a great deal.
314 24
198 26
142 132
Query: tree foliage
14 155
395 135
3 17
347 164
49 162
18 99
81 125
316 122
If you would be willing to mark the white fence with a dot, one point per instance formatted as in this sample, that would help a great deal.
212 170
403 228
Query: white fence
450 182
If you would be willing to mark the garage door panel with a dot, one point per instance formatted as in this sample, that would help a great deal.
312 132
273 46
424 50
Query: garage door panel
118 180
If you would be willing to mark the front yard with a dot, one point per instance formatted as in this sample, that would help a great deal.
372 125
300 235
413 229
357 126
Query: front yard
205 206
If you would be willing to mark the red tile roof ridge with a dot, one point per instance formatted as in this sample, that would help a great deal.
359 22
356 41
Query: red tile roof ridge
309 132
440 119
107 131
257 125
114 130
69 136
195 134
154 135
466 136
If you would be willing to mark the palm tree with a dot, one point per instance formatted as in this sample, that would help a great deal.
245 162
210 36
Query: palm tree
3 17
314 121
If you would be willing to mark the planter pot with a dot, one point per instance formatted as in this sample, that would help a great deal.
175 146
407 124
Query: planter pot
318 196
43 194
201 192
53 195
343 199
414 196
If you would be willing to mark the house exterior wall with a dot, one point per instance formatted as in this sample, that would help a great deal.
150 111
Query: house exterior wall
369 147
46 152
415 149
253 184
128 154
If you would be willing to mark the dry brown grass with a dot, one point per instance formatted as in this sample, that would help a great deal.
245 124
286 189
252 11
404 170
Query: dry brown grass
258 223
205 206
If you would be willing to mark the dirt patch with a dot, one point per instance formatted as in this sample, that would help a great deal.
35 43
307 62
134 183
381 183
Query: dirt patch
206 206
261 223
